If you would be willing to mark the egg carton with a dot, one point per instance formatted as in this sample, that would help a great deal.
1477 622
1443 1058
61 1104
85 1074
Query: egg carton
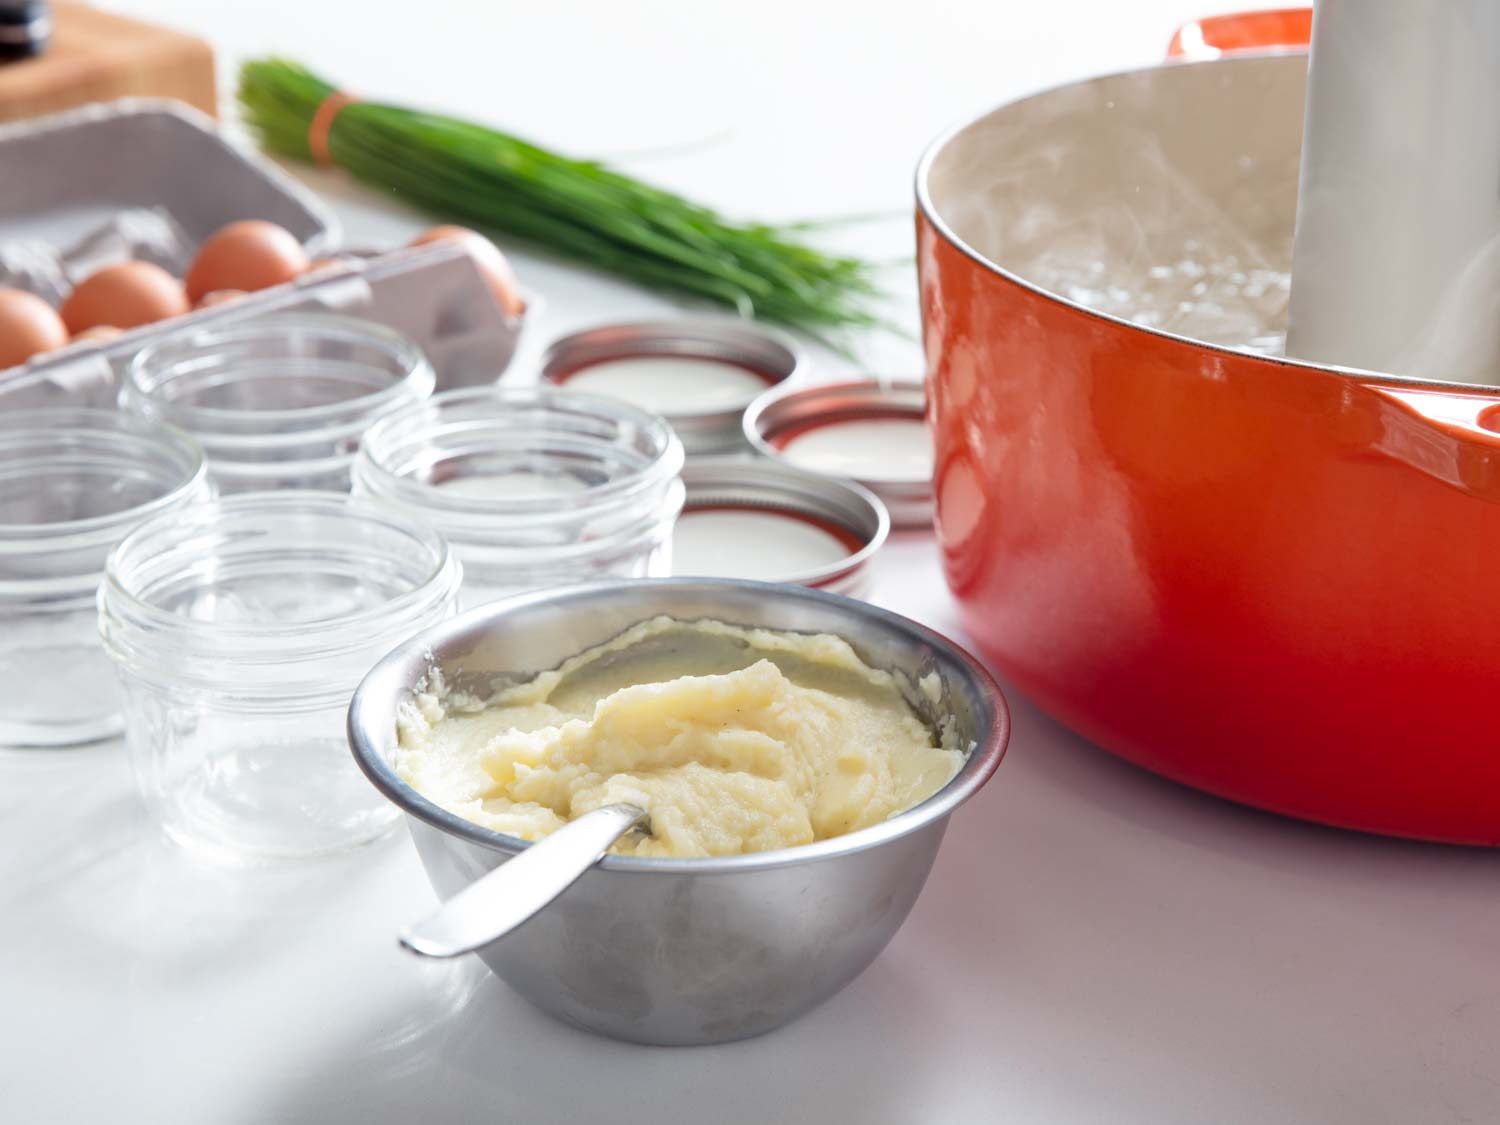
65 177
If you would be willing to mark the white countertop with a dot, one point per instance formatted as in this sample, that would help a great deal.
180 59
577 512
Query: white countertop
1094 944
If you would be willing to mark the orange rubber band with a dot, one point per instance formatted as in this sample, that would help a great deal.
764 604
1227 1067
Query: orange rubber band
322 125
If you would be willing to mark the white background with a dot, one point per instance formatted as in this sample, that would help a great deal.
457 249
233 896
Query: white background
1094 945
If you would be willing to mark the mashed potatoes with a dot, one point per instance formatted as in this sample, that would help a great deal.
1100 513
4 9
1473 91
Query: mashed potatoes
735 740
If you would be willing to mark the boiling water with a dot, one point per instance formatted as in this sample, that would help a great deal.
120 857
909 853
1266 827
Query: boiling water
1396 265
1162 253
1220 298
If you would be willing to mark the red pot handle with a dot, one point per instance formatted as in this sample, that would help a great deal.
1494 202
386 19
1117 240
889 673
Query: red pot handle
1216 36
1465 450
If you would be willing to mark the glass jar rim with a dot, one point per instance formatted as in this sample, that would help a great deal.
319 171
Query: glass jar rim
409 421
285 640
417 372
653 527
150 434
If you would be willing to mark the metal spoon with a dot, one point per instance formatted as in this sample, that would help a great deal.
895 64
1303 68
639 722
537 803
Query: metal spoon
495 904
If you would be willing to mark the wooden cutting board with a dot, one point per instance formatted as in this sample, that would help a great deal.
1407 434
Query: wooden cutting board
96 56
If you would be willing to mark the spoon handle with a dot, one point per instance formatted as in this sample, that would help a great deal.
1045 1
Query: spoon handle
495 904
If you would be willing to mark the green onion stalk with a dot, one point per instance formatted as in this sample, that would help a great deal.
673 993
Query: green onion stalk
466 173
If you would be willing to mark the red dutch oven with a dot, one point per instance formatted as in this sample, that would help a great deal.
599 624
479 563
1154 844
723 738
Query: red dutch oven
1274 581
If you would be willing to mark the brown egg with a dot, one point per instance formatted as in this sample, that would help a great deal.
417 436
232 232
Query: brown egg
219 297
98 334
492 264
124 296
319 265
28 325
248 255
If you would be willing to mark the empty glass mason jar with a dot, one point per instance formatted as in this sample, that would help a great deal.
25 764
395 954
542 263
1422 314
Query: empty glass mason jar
240 629
534 486
278 401
73 483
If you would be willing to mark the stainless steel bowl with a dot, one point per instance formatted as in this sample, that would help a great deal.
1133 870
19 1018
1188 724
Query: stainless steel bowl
689 951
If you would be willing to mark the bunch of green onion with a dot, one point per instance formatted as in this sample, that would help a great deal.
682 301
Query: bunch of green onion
466 173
